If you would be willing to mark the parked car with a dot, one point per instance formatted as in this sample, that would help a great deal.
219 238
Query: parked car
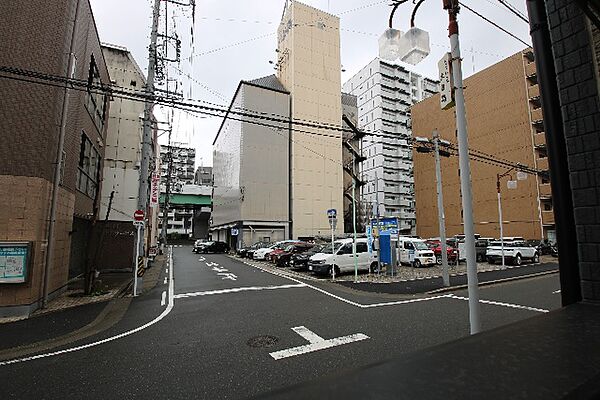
481 246
262 253
199 244
299 261
340 258
543 246
257 246
515 252
244 250
214 247
436 246
414 252
282 259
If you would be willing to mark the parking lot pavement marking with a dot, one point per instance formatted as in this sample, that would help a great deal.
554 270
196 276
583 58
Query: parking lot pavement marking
163 299
227 275
499 303
316 343
236 290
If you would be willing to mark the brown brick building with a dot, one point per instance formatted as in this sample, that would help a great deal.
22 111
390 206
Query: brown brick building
504 120
36 35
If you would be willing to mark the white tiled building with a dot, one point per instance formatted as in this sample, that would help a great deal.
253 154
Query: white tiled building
385 93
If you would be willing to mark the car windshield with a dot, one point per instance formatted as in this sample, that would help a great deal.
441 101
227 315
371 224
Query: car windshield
420 246
327 248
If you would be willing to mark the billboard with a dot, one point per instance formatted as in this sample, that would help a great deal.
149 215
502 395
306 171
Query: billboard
14 261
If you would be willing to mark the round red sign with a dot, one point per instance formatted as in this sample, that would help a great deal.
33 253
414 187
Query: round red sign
138 215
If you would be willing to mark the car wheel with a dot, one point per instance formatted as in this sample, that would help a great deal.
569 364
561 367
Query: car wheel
373 266
417 264
536 258
479 258
331 269
517 260
438 260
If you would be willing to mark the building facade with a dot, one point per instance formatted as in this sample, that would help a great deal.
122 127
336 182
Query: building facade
204 176
385 93
189 212
40 36
183 159
504 120
309 68
251 167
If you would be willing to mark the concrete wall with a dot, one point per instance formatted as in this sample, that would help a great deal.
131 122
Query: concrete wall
309 51
498 123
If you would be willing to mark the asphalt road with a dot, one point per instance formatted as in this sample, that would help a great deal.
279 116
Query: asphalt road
196 343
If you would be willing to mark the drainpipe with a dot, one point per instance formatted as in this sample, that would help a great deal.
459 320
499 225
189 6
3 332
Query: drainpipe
58 169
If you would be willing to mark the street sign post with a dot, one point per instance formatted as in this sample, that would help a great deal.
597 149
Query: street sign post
138 222
446 82
138 215
332 216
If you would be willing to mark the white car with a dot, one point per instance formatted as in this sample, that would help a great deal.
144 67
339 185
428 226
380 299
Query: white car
342 259
415 252
515 252
261 254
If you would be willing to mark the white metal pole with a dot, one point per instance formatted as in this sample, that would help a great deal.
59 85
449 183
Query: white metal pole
465 174
137 257
354 220
501 226
332 250
377 216
440 204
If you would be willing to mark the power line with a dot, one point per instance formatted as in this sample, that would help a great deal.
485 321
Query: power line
514 10
494 24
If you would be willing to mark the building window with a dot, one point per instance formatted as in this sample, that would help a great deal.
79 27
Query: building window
96 100
89 167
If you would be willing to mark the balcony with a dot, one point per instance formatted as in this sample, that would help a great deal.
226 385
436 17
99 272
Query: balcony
542 164
536 115
545 190
539 139
548 217
392 189
400 165
534 91
390 152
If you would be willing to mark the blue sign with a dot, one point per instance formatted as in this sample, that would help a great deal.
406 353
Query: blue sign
387 226
234 231
385 249
369 239
332 213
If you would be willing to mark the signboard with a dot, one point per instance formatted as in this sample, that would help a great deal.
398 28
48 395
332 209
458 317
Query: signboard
446 82
387 226
234 231
332 213
154 189
14 261
369 232
138 215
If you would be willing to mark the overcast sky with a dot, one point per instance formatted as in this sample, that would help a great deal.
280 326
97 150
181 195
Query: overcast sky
234 40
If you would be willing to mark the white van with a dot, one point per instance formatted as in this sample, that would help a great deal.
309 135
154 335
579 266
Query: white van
342 258
414 252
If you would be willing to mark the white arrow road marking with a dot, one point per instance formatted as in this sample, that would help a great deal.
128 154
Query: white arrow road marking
212 264
163 299
316 343
235 290
228 275
165 281
217 269
201 259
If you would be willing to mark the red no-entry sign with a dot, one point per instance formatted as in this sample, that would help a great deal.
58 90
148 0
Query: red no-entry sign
138 215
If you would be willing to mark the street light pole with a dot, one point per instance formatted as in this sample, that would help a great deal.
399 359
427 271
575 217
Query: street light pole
465 169
500 216
354 219
440 204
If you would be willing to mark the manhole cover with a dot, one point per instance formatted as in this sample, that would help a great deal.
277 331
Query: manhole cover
262 341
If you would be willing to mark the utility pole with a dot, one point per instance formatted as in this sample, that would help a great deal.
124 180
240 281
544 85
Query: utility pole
377 219
166 207
440 204
465 169
147 131
500 217
354 218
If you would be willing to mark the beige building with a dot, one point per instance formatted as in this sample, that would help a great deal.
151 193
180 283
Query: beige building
309 68
504 120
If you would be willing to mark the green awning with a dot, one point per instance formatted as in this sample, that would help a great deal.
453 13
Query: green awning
187 199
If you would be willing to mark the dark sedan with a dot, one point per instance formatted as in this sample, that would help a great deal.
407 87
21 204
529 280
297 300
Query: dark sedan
282 259
214 247
299 261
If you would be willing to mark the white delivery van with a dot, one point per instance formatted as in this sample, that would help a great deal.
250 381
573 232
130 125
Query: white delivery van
342 258
414 252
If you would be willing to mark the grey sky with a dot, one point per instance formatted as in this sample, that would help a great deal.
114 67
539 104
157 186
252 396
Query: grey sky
220 63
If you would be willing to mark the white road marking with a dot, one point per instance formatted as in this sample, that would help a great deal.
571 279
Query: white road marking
163 298
499 303
316 343
217 269
236 290
556 291
166 270
201 259
227 275
165 281
109 339
212 264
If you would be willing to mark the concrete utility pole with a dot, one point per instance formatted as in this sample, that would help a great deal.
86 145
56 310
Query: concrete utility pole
166 207
440 204
465 169
147 132
354 219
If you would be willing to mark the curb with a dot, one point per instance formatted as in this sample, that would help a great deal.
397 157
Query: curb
489 283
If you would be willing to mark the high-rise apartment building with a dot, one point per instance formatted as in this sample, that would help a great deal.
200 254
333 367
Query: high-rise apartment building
385 93
504 120
309 68
182 170
204 176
